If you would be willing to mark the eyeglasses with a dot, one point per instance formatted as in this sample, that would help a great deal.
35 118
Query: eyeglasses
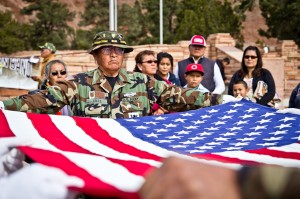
55 73
150 61
250 56
108 50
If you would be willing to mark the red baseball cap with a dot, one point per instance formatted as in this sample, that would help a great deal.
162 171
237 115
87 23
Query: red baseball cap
198 40
194 67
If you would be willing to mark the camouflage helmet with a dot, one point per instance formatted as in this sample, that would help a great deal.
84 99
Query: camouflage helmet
49 46
109 38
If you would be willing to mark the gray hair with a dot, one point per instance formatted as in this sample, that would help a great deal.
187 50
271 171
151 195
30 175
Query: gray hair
49 64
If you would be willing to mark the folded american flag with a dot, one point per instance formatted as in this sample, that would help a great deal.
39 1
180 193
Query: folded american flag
112 156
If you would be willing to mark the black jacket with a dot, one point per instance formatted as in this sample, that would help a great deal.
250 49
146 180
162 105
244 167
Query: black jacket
266 76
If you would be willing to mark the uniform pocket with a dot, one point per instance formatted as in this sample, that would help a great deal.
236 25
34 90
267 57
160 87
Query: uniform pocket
132 109
97 109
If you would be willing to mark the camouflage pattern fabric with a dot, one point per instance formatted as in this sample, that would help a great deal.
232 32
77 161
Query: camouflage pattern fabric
270 182
90 94
49 46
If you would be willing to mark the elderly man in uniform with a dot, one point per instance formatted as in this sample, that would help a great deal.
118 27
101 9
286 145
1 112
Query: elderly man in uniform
110 91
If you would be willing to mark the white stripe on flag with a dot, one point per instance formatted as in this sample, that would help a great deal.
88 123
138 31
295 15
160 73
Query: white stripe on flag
109 172
21 126
116 130
69 128
294 148
266 159
97 166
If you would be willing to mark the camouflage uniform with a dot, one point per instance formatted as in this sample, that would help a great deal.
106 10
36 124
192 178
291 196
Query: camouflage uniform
268 182
90 94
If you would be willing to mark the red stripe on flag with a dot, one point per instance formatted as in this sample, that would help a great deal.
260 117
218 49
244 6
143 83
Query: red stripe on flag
93 185
276 153
225 159
5 130
95 131
47 129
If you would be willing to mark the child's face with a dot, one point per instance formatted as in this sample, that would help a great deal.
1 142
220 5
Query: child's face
239 89
165 66
193 79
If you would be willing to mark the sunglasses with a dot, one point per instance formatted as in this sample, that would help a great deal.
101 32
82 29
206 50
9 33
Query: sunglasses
250 56
108 50
55 73
150 61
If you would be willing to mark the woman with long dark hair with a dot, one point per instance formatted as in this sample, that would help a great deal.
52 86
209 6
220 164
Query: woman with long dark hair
257 78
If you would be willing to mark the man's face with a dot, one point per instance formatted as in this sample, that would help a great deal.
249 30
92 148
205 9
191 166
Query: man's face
45 52
109 60
196 50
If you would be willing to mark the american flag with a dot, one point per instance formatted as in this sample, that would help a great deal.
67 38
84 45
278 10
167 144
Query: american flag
113 156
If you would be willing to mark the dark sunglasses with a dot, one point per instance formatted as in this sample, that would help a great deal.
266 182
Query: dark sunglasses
250 56
150 61
54 73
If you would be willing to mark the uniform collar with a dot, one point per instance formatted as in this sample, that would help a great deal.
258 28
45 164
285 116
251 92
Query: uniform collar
98 76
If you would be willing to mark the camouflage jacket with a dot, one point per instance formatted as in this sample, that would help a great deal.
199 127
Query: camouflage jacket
90 94
269 182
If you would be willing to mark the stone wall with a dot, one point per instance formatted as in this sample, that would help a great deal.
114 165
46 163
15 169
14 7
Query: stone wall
283 60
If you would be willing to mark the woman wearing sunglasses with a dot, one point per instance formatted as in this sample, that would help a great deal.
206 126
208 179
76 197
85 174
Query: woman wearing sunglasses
55 70
256 77
146 63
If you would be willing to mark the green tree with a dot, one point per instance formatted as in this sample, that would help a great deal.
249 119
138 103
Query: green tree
14 36
183 19
94 19
205 18
96 14
50 24
131 23
282 18
152 20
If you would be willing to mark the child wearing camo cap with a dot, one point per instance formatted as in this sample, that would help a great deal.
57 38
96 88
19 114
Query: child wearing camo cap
194 75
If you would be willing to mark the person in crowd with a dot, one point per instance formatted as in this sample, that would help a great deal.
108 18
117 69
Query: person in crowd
47 53
258 79
212 79
165 68
294 101
240 89
194 75
222 65
56 70
109 91
147 64
31 182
